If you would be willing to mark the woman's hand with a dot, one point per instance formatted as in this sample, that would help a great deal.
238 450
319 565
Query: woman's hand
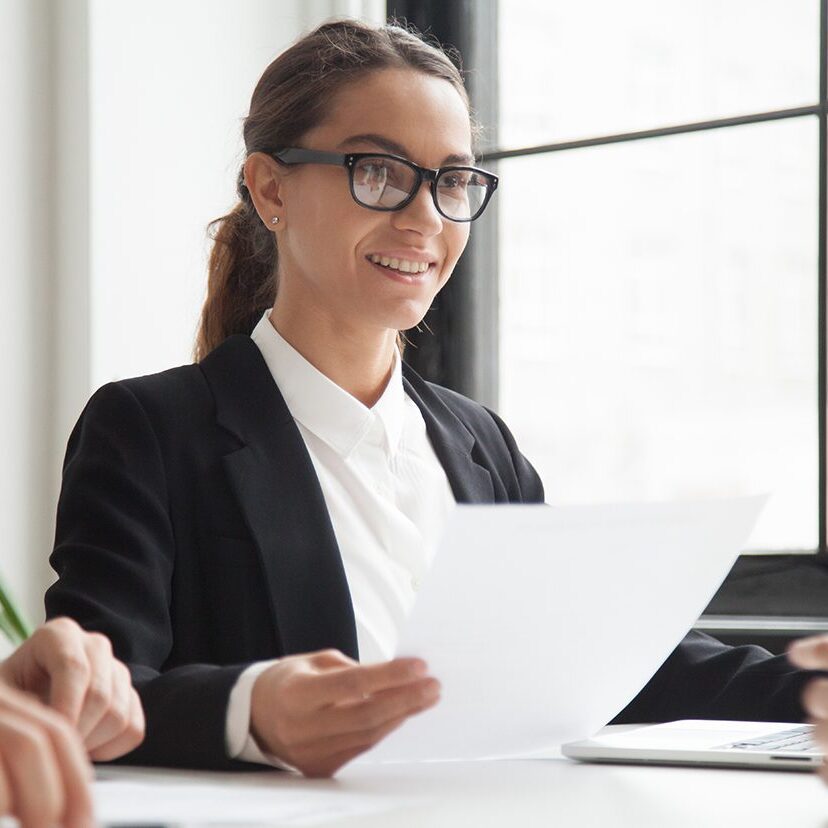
75 673
320 710
812 654
44 772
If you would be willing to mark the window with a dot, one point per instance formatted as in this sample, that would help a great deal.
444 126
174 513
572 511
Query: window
659 326
656 260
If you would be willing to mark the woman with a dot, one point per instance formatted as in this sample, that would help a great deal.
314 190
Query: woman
62 696
281 498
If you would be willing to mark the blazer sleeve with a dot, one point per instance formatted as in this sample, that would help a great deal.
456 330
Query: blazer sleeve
114 555
705 679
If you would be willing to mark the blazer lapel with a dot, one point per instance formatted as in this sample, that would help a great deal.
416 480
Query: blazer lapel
282 502
452 442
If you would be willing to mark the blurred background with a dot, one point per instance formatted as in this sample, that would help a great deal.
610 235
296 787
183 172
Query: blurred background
641 303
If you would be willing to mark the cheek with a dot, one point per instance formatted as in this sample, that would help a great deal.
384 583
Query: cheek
457 237
327 229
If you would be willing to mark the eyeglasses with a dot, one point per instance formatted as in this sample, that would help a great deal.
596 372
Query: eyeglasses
388 182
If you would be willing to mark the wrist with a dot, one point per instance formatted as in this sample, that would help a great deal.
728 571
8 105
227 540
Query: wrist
256 714
264 710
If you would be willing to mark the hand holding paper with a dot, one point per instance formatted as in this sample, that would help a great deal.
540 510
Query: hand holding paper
542 623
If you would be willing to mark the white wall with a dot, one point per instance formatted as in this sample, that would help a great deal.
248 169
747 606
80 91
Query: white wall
120 140
165 137
26 232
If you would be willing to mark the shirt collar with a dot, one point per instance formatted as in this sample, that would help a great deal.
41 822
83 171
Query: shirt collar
321 406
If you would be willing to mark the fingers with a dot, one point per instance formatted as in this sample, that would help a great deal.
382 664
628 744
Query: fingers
815 698
6 801
116 709
378 727
44 774
810 653
58 651
375 711
99 691
821 737
76 774
129 738
37 793
357 681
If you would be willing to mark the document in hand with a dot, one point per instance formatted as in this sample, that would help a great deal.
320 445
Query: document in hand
542 623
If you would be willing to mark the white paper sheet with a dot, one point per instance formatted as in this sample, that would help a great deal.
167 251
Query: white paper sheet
133 796
542 623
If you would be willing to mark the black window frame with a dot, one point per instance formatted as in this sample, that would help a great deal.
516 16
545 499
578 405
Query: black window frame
769 598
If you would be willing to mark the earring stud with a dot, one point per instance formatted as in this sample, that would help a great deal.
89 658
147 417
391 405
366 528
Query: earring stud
274 220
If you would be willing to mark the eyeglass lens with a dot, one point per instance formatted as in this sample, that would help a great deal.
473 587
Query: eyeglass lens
385 183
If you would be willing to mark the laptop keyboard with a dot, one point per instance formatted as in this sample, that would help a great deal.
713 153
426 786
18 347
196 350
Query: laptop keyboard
796 740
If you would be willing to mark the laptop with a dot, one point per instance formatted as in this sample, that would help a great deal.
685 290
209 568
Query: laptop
777 745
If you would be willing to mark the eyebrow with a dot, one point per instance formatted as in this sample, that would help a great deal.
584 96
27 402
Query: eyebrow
398 149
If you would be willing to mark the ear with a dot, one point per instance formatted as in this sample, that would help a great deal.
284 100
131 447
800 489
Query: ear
263 178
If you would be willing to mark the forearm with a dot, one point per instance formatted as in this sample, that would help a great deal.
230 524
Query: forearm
705 679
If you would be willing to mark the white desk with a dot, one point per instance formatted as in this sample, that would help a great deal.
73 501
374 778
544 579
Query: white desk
548 792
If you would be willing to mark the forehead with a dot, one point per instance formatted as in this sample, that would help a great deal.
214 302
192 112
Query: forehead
422 114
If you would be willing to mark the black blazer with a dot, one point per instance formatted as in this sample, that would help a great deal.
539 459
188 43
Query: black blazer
192 530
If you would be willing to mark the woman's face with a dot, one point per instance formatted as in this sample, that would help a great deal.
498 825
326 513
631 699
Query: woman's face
326 238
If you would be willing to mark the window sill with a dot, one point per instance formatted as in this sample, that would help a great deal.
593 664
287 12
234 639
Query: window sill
774 633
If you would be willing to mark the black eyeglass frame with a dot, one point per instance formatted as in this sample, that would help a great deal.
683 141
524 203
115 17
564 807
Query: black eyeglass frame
300 155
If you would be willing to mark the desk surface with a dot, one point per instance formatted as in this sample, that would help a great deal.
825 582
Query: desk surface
550 792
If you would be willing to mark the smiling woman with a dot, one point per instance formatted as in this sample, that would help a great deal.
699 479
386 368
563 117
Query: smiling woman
282 498
251 530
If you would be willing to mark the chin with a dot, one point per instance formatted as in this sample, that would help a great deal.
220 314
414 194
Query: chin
406 318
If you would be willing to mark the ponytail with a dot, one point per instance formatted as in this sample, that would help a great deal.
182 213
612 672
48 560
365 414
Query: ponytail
242 274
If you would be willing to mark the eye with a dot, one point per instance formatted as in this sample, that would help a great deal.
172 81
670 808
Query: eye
379 172
457 180
373 169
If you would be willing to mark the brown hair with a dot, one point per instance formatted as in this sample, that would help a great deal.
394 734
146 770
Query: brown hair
291 98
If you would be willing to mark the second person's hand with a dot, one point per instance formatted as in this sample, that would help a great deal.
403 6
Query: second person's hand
44 773
812 654
319 710
75 673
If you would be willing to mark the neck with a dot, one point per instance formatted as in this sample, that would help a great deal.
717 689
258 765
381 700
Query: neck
359 361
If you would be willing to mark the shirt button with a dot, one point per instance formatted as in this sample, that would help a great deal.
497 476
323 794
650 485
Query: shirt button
415 584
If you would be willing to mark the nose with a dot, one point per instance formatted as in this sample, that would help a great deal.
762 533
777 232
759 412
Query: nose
420 214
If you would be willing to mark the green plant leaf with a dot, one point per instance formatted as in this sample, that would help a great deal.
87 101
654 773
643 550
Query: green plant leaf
9 631
11 619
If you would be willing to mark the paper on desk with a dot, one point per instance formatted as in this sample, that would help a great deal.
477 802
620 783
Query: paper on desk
542 623
135 796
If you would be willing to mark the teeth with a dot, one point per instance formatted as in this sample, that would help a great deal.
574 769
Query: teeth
403 265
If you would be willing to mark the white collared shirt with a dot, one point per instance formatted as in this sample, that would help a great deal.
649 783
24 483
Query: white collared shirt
386 492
